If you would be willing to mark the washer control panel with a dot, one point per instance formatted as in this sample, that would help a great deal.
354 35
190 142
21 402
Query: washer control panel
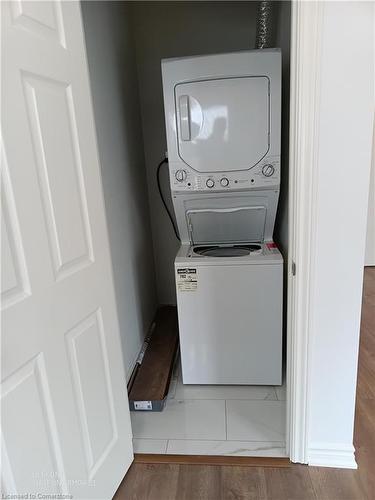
265 174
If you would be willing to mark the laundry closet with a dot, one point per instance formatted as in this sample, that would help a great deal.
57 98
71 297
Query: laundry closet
228 396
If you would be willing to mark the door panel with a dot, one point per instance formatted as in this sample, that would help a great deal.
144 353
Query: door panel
58 160
42 19
65 416
36 427
96 409
223 124
14 278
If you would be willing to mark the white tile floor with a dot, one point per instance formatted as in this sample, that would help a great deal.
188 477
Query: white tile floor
214 420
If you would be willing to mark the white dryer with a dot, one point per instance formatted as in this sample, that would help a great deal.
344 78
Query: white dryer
229 301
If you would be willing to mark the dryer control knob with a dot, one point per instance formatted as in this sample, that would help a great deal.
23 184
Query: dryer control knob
180 175
224 182
210 183
268 170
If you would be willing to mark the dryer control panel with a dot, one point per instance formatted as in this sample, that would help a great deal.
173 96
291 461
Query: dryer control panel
265 174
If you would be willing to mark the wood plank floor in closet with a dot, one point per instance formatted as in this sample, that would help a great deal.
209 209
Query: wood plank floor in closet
298 482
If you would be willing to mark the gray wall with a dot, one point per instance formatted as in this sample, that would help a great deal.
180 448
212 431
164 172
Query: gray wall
283 41
172 29
113 76
281 226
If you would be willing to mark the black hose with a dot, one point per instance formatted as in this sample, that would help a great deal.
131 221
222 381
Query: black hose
163 200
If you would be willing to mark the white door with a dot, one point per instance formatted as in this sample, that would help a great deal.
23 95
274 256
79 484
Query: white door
65 417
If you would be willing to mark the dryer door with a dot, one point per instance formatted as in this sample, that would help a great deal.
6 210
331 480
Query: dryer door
223 124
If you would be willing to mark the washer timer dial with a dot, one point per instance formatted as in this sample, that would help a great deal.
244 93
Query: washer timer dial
268 170
224 182
210 183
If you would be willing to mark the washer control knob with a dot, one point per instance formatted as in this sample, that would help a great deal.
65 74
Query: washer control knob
210 183
180 175
268 170
224 182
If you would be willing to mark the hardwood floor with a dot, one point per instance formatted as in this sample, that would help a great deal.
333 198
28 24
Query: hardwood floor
298 482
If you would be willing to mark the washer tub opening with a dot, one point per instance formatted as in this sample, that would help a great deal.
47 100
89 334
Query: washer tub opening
226 251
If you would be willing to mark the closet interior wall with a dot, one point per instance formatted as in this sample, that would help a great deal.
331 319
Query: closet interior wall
177 29
125 43
114 88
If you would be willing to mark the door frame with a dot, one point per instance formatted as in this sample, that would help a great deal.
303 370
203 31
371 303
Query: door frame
305 72
370 236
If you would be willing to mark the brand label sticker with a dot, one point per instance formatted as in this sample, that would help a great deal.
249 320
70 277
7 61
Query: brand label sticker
187 280
143 405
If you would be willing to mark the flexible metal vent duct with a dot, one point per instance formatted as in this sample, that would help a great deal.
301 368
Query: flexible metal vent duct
264 37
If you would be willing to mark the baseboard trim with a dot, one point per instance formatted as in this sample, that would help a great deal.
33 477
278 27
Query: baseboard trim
332 455
148 458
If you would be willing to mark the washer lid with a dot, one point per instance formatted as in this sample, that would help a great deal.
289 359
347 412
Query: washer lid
227 225
223 124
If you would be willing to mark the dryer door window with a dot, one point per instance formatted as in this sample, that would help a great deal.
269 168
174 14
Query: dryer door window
223 124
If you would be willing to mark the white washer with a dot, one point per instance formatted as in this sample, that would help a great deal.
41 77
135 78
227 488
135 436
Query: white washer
230 315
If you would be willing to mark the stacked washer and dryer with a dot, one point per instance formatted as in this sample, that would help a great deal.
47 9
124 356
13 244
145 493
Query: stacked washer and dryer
223 118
